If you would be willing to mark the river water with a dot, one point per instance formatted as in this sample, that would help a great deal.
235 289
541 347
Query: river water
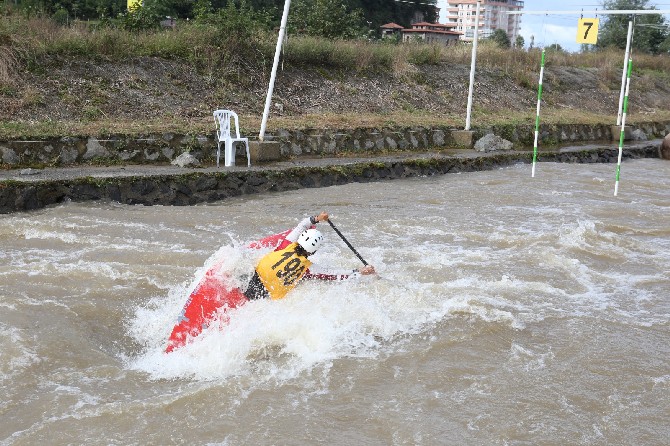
508 310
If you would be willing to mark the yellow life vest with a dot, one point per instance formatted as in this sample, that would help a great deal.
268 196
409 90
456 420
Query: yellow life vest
281 270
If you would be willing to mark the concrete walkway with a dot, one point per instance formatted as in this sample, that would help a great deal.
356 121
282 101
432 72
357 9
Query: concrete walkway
148 170
30 189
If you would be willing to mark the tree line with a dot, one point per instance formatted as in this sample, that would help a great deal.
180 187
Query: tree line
330 18
651 33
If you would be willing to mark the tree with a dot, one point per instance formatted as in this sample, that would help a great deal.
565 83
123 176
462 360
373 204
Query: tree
665 46
375 12
500 37
144 17
237 23
326 18
520 42
380 12
650 31
79 9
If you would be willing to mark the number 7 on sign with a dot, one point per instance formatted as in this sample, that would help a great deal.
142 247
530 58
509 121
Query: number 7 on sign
587 31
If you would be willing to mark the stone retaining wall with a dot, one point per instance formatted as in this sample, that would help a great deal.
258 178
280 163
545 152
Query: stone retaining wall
164 148
196 187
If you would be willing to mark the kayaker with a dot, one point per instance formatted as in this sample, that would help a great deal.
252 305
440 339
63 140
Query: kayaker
276 274
279 272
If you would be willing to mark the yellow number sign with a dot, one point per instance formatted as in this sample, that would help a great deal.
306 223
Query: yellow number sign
587 31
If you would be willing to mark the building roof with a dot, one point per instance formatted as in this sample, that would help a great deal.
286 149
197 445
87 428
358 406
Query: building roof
436 25
432 31
509 3
392 26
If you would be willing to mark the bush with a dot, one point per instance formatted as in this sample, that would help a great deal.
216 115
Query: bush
357 55
422 54
327 18
61 17
141 18
240 23
501 39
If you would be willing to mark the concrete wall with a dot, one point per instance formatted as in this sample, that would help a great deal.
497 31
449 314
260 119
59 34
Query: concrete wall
163 148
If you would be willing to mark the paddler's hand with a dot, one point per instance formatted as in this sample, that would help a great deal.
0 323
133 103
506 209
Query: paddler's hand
323 216
367 270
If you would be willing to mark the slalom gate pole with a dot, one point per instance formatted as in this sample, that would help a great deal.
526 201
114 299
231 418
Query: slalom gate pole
273 74
537 115
347 242
473 64
623 74
623 126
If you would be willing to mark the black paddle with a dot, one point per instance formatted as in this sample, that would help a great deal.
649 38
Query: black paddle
347 242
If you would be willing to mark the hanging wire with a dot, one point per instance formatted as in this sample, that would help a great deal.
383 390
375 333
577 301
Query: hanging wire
653 26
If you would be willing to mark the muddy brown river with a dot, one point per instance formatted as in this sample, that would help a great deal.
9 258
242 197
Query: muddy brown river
508 310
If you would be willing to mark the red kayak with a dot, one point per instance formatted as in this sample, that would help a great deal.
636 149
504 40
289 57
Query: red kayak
211 299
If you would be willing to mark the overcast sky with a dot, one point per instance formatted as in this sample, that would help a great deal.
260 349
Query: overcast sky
559 28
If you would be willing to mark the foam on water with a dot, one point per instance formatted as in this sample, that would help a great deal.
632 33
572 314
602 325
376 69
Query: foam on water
319 322
529 359
430 274
16 353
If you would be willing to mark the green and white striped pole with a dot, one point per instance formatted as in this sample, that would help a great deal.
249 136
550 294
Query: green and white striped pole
623 126
537 115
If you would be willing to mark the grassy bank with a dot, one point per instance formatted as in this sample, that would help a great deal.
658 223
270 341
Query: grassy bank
241 61
251 124
32 42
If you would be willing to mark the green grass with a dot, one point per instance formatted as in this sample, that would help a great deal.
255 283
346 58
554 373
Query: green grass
39 39
251 124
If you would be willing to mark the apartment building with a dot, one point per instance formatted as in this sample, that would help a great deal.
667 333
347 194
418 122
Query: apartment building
492 16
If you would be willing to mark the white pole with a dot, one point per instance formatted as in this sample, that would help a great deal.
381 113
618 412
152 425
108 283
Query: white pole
629 70
537 115
472 68
625 69
280 39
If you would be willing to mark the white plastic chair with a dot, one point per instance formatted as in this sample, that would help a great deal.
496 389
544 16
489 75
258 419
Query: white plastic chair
224 135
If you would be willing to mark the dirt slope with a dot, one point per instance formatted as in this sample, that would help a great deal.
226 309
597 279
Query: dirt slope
147 88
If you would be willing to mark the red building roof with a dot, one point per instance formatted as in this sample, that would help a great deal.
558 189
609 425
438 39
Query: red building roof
436 25
432 31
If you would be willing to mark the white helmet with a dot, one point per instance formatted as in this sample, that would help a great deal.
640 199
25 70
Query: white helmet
310 240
